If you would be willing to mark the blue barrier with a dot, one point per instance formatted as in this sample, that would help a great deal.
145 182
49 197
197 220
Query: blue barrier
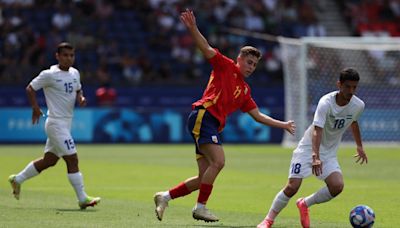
147 125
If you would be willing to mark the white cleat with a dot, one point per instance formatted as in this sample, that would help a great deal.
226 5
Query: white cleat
16 187
161 204
204 214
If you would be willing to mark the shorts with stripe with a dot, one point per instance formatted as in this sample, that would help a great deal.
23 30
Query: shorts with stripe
204 128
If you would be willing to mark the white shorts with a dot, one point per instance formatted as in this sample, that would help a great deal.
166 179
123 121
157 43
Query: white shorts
59 139
300 166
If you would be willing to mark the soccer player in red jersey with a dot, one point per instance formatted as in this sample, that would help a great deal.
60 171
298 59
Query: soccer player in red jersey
226 92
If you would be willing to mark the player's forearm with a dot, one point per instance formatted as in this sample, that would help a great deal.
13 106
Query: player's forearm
79 94
31 94
202 43
316 141
269 121
356 134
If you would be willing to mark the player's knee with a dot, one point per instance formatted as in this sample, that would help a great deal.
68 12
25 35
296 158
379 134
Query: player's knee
290 190
51 163
336 189
219 164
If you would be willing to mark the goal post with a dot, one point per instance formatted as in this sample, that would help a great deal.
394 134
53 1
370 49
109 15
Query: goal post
311 68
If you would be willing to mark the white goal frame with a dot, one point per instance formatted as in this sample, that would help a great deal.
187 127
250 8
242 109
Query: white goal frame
294 57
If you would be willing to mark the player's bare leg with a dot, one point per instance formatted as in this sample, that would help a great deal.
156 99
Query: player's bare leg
216 160
189 185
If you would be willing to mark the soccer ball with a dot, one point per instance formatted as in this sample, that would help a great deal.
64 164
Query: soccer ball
362 216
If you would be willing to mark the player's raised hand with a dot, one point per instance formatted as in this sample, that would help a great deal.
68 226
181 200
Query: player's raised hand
361 155
291 127
188 19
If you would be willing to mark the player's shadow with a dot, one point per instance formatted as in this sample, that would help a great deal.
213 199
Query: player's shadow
61 210
230 226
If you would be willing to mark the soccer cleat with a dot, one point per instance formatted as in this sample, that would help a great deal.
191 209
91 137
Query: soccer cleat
304 213
161 204
89 202
266 223
204 214
15 186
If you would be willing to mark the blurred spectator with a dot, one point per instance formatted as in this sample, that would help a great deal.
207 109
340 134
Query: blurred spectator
61 19
159 49
106 95
131 72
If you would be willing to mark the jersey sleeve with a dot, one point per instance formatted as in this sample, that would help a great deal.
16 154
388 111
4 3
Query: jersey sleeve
321 112
248 105
41 81
360 111
219 61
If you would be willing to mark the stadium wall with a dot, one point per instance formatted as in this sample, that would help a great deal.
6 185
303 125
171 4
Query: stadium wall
141 115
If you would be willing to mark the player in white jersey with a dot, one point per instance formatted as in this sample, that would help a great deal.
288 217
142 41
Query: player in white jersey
316 152
62 88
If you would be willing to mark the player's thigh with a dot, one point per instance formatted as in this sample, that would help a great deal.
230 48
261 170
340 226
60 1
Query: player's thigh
335 179
300 166
214 153
203 128
329 167
59 140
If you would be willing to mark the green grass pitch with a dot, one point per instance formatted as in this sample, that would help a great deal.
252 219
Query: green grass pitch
127 176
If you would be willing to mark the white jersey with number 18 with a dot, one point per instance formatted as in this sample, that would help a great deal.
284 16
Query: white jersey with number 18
334 120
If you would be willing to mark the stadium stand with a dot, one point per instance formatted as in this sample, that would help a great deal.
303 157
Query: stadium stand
136 43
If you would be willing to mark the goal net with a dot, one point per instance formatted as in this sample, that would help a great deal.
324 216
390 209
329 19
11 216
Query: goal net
311 69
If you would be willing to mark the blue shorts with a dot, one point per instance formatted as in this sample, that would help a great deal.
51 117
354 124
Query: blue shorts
203 127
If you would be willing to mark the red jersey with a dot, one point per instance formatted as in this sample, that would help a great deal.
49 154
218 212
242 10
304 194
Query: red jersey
226 91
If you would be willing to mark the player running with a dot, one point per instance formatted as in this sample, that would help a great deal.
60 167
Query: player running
226 92
62 88
316 152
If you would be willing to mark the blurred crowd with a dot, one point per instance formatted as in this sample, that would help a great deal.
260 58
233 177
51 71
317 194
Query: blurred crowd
128 43
142 42
373 17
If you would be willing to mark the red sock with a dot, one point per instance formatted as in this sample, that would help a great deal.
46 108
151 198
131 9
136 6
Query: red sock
179 191
205 192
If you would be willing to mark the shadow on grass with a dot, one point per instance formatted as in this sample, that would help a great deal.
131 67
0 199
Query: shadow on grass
217 225
74 210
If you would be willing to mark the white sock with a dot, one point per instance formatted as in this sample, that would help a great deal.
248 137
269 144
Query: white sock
199 205
27 173
280 201
166 195
323 195
76 180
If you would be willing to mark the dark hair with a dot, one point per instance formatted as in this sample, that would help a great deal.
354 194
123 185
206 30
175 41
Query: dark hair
349 74
249 50
64 45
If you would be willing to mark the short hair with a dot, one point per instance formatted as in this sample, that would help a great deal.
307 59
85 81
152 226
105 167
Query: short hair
249 50
349 74
64 45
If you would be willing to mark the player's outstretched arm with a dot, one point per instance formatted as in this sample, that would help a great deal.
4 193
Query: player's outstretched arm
189 20
36 112
361 155
260 117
